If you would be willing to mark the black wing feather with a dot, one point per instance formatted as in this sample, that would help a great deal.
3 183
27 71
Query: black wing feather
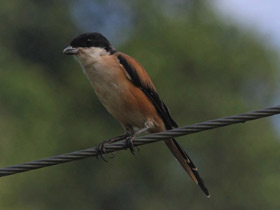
150 93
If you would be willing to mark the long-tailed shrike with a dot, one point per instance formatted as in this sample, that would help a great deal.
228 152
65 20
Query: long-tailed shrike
127 92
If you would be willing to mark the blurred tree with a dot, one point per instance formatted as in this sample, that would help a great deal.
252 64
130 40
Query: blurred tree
36 29
202 67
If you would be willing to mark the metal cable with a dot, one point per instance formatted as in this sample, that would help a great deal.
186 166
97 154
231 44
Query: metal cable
185 130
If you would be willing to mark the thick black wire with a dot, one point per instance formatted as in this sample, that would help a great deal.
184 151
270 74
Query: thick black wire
185 130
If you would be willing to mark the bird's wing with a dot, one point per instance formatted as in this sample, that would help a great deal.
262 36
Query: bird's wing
139 77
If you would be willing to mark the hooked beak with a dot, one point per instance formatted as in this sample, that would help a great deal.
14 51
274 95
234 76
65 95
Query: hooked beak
70 50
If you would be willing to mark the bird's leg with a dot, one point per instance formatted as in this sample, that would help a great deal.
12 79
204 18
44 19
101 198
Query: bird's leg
129 140
101 147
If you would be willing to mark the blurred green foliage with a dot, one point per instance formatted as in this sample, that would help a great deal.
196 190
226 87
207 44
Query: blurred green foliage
202 67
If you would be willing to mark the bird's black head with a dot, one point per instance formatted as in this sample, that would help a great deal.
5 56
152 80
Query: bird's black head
88 40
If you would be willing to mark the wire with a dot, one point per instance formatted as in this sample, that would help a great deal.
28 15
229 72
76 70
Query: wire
185 130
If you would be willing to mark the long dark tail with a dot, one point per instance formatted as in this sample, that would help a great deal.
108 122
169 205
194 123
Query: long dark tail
186 163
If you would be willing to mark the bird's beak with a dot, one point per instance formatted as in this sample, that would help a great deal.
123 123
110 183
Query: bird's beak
70 50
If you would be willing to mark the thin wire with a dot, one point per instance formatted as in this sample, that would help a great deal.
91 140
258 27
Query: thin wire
185 130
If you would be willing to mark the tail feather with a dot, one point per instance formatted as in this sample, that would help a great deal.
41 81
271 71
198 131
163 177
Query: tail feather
186 163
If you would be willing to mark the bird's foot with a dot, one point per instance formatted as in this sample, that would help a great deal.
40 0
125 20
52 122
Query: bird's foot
129 144
101 147
101 150
129 140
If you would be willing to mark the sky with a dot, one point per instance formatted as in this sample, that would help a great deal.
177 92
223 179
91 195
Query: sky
261 15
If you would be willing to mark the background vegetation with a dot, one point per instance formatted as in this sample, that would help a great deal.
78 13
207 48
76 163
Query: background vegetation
202 67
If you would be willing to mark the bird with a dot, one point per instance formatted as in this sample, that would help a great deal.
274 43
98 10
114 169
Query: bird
125 89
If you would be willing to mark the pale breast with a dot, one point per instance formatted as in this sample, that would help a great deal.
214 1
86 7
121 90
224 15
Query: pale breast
113 90
103 78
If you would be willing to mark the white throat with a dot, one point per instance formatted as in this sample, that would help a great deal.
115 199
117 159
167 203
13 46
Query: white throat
90 55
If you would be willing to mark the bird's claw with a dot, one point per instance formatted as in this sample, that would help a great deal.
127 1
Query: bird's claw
129 144
101 147
101 150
